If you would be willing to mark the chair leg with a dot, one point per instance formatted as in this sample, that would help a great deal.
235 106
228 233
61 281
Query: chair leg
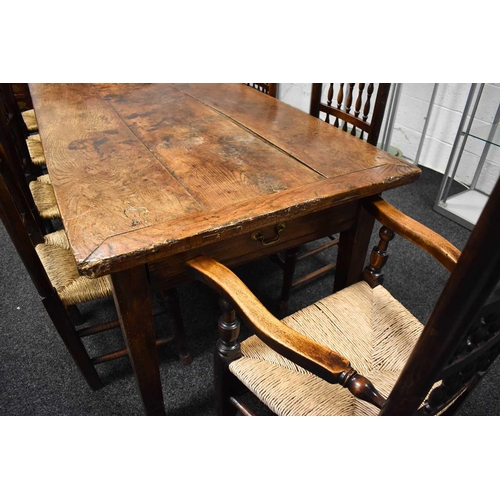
288 273
226 351
66 329
75 315
222 385
171 297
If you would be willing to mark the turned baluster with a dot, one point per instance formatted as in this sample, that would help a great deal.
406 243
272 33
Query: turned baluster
226 351
373 272
476 334
361 388
359 100
340 100
348 104
359 103
329 101
366 110
444 392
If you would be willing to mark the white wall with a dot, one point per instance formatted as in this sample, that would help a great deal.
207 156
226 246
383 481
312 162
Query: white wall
442 129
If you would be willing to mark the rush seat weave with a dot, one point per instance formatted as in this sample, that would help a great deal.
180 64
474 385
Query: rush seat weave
60 266
29 118
44 197
35 149
367 326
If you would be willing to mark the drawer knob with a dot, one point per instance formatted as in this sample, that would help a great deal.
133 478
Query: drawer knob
258 236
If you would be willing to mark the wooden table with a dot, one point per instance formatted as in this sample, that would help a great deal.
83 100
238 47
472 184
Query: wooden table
147 176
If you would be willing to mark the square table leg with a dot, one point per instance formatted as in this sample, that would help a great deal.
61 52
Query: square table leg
133 304
353 248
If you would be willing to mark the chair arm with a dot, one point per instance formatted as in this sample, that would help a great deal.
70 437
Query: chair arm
310 355
427 239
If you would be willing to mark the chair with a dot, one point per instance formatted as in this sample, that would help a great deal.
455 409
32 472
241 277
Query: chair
53 271
22 96
359 351
351 113
267 88
31 153
27 120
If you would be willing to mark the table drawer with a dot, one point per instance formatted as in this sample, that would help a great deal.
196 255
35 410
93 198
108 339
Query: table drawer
246 247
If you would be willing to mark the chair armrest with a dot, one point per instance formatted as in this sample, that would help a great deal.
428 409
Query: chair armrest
310 355
427 239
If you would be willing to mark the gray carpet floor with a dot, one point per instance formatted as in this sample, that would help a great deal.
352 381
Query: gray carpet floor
38 377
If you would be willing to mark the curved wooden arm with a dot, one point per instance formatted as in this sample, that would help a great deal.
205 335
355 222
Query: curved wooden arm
427 239
303 351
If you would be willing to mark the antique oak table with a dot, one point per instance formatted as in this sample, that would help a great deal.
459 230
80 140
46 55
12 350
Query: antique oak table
147 176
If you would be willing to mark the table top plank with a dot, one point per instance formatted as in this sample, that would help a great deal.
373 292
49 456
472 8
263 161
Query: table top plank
324 148
97 165
142 171
196 231
217 161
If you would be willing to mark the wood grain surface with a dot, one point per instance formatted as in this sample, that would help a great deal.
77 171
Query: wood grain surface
144 171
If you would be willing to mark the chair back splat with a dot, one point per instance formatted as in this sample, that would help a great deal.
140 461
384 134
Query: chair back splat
294 369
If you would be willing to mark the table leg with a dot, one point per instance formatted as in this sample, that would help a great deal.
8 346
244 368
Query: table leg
171 297
353 248
133 304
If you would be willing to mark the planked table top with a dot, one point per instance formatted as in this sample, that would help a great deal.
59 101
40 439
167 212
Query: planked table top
144 171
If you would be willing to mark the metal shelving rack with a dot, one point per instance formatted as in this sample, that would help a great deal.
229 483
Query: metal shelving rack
466 206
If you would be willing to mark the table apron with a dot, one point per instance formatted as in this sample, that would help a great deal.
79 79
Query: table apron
170 271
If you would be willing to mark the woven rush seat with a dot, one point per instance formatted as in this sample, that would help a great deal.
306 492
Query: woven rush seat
29 118
60 266
44 197
35 149
57 239
367 326
360 344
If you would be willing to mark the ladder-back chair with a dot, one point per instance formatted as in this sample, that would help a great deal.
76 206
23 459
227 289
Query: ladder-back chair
29 171
359 351
266 88
27 120
358 109
53 271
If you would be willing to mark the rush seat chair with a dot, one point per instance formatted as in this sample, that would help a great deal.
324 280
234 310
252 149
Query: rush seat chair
360 351
30 151
51 266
